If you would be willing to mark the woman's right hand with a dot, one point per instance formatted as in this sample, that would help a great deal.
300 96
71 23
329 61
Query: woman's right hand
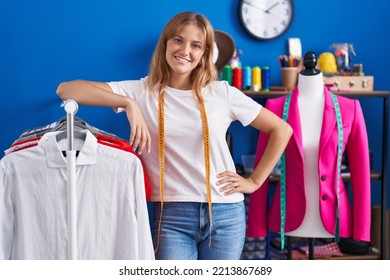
139 135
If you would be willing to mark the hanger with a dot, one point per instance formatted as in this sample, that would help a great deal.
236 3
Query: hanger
79 126
78 133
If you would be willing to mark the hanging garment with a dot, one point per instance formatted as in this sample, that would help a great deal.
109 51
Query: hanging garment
30 138
112 216
354 221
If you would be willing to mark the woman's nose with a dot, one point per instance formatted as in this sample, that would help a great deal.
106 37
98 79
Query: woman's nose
185 48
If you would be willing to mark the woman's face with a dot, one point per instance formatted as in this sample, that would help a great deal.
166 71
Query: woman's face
185 50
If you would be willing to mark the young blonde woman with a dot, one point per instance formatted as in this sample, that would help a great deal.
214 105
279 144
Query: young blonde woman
179 115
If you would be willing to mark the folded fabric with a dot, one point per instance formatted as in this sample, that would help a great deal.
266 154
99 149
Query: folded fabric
328 250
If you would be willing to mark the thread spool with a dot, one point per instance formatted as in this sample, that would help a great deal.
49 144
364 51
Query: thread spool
237 77
247 78
227 74
256 78
266 77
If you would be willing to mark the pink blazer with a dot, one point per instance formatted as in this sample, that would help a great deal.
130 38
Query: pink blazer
354 221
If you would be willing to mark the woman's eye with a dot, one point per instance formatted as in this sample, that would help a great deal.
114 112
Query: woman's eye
177 40
196 46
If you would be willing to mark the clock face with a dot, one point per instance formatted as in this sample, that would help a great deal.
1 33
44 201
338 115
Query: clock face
266 19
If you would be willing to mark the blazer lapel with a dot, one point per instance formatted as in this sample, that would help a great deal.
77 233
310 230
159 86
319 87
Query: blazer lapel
295 122
329 120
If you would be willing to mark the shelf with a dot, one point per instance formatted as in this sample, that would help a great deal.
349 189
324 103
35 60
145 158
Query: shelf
369 256
277 93
344 176
297 255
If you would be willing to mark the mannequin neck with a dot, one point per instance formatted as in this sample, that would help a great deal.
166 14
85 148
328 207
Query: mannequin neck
310 85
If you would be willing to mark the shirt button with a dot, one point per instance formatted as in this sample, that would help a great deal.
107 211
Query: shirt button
323 178
324 197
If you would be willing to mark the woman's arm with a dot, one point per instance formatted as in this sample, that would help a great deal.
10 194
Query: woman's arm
100 94
91 93
279 134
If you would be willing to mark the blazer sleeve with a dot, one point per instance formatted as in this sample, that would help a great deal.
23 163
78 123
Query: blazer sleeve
257 207
357 149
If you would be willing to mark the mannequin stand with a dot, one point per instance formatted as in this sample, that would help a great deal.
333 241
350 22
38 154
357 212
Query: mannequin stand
311 248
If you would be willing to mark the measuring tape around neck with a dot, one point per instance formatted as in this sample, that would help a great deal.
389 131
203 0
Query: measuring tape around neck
161 154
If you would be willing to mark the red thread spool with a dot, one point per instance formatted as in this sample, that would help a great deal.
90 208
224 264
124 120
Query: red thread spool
237 77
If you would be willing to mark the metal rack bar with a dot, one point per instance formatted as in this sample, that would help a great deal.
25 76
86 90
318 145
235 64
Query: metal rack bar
384 177
71 107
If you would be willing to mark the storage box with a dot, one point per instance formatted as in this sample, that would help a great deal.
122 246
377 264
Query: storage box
349 83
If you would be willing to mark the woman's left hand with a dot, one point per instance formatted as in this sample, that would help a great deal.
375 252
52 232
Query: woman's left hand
235 183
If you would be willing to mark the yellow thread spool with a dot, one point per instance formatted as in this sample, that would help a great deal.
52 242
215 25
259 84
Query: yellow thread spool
256 78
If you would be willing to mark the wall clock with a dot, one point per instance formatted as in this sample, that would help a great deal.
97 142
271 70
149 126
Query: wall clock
266 19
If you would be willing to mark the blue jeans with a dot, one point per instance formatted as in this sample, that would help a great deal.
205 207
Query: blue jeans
185 231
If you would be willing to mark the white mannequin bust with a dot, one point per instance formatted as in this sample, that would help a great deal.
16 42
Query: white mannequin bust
311 102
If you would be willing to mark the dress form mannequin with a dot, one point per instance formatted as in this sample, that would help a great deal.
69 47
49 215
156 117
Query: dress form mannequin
319 207
311 102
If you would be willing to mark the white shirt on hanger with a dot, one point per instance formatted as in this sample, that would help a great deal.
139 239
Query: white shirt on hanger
112 216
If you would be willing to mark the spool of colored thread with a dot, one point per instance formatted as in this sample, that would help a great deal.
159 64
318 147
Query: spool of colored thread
256 78
266 78
247 78
227 74
237 77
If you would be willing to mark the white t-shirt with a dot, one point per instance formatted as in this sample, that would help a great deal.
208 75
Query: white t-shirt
184 153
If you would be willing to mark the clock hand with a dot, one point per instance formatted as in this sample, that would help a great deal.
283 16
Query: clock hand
274 5
254 6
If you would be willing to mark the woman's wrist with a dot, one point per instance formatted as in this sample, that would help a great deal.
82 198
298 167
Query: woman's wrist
127 103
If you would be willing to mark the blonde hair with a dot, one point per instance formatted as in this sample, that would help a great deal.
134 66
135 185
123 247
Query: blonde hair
204 73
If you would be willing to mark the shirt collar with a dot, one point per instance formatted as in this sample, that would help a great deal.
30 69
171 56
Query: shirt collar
54 156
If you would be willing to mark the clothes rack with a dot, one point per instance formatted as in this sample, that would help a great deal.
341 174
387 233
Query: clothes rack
71 108
41 174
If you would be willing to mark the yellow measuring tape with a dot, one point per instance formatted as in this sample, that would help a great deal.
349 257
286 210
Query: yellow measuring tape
206 147
161 154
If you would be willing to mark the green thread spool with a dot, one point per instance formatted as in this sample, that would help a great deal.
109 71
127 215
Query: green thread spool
227 74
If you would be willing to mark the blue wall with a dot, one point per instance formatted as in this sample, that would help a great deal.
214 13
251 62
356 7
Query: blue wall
45 42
